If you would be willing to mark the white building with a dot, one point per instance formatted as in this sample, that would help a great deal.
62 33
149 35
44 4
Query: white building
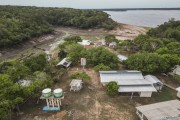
129 81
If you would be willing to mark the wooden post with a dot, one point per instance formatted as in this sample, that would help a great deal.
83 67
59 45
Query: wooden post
47 102
58 104
52 102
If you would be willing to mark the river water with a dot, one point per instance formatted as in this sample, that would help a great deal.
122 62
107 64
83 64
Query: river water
147 18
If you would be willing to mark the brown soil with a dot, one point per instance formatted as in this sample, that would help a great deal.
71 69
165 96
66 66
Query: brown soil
91 103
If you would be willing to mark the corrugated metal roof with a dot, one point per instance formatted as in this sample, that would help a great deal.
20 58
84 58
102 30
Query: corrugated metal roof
152 79
144 88
169 110
130 77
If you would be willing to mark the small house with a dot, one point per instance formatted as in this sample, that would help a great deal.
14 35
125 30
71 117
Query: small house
129 81
76 85
122 58
64 62
155 81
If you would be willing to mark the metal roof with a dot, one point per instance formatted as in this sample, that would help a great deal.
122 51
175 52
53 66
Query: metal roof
169 110
152 79
64 62
144 88
131 77
122 57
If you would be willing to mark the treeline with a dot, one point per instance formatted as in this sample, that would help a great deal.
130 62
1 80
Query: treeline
170 30
18 24
156 52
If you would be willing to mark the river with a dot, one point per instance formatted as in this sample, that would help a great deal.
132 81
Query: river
146 18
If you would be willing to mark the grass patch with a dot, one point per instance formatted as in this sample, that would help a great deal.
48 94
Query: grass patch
165 95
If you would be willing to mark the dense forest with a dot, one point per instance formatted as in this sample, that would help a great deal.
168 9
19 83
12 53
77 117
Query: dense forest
18 24
156 52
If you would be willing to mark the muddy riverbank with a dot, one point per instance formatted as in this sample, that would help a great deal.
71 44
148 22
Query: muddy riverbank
51 41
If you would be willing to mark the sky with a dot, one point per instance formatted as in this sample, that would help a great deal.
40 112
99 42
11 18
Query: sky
85 4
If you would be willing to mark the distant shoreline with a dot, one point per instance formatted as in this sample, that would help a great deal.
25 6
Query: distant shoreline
127 9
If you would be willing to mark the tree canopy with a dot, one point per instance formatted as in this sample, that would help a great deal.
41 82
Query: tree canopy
148 63
112 88
18 23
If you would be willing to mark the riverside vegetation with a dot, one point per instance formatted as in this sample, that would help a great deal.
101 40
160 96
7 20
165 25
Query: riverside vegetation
18 24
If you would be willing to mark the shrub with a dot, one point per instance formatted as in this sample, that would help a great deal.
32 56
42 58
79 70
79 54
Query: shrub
148 63
80 75
101 67
112 88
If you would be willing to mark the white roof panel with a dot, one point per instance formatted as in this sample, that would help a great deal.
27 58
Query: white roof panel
145 88
124 77
152 79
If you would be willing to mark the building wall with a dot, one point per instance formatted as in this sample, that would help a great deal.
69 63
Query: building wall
145 94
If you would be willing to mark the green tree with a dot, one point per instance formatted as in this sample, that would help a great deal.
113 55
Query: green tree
75 52
172 59
17 71
148 63
10 96
80 75
112 88
36 63
100 55
101 67
73 39
110 38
